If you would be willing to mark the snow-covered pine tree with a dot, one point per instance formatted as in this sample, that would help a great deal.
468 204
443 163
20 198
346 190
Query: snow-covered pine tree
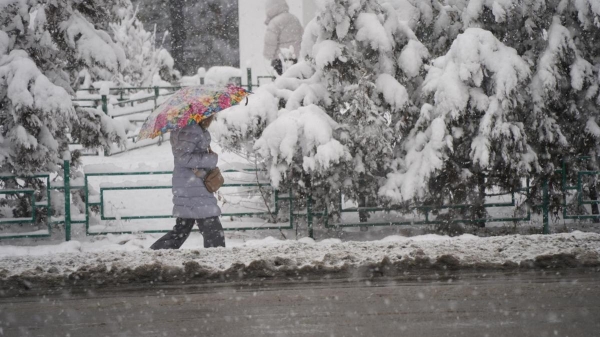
559 40
473 134
565 93
334 119
144 59
43 46
559 103
436 23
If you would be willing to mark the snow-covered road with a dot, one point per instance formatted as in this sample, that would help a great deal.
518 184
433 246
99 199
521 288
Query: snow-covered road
531 303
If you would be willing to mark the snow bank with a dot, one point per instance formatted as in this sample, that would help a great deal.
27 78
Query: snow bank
220 75
100 262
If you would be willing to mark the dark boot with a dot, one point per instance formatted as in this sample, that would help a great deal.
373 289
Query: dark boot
176 237
212 232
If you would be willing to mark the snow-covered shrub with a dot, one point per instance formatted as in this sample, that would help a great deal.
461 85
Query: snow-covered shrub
565 94
33 111
475 126
559 41
513 89
144 59
558 101
44 45
335 119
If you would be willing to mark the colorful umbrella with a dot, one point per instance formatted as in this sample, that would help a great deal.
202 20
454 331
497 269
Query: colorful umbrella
189 106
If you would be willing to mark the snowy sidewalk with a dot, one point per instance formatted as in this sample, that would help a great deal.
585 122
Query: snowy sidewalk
83 263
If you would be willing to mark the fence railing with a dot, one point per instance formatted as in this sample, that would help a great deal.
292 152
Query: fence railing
427 210
102 100
156 92
141 186
44 202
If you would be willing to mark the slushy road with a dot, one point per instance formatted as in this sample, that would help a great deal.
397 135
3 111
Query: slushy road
563 303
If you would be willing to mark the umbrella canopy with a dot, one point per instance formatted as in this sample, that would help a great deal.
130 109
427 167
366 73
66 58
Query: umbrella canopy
188 106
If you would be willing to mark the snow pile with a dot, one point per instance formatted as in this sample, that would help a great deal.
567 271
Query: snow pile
79 263
214 76
222 75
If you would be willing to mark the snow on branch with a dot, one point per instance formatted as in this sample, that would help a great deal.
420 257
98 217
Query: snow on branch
27 87
424 156
94 47
308 131
393 92
371 31
475 89
326 52
561 48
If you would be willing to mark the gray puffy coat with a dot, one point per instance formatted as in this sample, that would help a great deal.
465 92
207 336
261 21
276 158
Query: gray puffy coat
191 200
283 30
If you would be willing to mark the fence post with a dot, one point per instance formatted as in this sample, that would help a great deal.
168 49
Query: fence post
545 205
104 104
309 215
291 203
201 80
155 97
249 72
67 181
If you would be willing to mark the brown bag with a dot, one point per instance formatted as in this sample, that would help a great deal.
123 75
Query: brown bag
213 180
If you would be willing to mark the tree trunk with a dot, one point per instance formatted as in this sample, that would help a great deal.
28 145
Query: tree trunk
480 212
178 37
362 202
594 196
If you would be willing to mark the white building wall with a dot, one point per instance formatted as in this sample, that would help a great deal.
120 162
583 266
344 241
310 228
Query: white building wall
309 10
252 32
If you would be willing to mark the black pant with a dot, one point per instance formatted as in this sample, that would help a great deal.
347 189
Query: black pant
210 228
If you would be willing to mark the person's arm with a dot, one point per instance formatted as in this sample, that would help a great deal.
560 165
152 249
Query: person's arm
186 157
270 51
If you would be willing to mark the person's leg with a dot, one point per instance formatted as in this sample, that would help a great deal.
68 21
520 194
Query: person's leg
212 232
176 237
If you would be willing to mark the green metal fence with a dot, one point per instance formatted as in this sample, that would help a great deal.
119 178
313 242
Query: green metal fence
427 210
101 201
578 189
41 200
44 202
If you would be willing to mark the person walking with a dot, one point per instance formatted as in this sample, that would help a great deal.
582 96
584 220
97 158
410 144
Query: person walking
284 31
192 202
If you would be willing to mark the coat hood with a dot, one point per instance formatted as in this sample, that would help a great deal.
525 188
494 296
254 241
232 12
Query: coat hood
274 8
